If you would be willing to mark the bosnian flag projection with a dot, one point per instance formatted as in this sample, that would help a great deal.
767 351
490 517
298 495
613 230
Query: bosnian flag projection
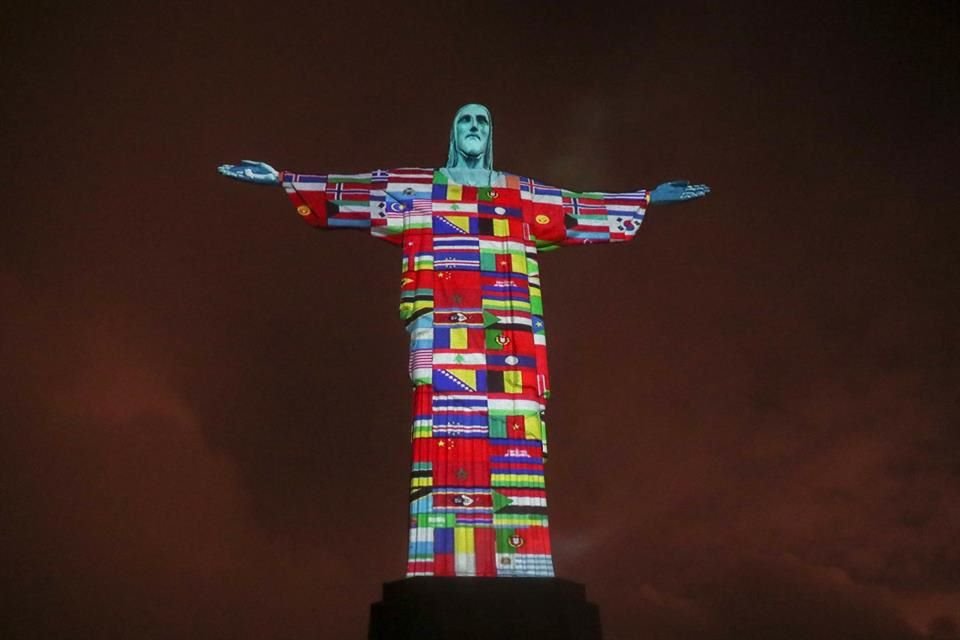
470 296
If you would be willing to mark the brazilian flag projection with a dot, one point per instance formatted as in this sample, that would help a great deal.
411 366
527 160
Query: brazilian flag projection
471 300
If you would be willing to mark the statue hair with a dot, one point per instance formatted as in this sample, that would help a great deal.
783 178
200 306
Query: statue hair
452 153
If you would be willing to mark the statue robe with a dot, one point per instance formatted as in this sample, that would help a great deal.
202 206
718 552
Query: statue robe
470 297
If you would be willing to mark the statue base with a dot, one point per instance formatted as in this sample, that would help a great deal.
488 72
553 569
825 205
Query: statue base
435 608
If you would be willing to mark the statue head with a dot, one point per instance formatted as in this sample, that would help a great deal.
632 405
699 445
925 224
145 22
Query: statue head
471 138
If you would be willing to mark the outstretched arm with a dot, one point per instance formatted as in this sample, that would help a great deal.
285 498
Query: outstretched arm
558 217
251 171
329 201
677 191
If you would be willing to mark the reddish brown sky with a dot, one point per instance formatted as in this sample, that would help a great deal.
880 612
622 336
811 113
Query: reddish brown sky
756 421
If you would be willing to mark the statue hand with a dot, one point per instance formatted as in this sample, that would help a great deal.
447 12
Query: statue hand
677 191
251 171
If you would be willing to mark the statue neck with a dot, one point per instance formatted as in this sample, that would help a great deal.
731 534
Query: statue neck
468 162
473 177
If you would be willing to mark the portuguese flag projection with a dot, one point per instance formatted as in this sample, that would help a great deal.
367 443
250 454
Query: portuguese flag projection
470 297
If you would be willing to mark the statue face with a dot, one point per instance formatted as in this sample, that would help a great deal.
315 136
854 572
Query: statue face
473 130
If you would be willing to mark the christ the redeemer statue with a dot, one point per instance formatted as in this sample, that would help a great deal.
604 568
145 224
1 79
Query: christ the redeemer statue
470 296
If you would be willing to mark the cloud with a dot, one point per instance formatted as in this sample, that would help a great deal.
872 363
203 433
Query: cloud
748 595
123 520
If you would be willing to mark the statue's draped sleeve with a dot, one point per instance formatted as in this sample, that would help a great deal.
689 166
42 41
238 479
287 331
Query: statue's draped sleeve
345 201
559 217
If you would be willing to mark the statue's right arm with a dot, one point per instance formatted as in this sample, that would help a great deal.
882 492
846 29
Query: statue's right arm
329 201
251 171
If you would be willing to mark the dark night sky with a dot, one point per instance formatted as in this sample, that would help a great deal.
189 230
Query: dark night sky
755 430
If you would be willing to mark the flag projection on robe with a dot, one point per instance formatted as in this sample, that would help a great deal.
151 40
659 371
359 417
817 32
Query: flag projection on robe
470 297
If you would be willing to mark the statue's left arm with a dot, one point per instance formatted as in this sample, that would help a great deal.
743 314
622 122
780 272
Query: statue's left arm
559 217
677 191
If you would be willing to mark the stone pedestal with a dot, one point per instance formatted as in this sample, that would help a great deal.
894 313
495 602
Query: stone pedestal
426 608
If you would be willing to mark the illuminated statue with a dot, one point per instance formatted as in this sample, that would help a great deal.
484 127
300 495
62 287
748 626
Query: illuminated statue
470 296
